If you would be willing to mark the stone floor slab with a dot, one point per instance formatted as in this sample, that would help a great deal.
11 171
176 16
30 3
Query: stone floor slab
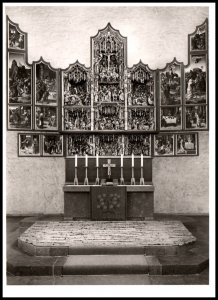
107 233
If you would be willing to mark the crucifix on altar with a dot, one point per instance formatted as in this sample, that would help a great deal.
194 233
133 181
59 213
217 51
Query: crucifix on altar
109 165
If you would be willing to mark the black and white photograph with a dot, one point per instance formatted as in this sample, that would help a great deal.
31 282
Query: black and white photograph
109 114
77 119
46 85
142 89
109 117
46 118
29 145
164 144
187 144
19 117
80 145
16 38
52 145
196 80
196 117
109 145
75 85
170 85
20 81
141 119
137 145
171 118
198 40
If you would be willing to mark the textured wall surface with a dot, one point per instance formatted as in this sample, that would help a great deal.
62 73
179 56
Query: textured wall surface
34 185
182 183
155 35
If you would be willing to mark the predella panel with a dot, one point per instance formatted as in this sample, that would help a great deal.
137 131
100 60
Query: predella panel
29 144
187 144
164 144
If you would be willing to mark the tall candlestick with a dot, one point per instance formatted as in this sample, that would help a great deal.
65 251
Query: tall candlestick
76 160
141 160
86 163
121 164
132 160
96 160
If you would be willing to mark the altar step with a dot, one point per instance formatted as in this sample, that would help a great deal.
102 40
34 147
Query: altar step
107 264
133 264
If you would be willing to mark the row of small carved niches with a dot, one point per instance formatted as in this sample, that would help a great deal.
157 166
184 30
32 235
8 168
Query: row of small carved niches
163 144
111 145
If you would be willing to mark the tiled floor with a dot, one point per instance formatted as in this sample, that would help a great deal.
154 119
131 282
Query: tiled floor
197 225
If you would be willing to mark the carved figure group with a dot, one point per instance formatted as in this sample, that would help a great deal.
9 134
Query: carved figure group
141 120
77 120
109 94
80 146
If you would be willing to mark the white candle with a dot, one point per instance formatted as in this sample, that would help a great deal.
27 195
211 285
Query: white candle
76 160
132 160
141 160
121 160
86 161
97 160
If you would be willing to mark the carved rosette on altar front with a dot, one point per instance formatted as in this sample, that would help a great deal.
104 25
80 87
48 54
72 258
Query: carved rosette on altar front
108 203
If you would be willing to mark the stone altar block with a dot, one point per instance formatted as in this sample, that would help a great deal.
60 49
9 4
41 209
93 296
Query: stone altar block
108 202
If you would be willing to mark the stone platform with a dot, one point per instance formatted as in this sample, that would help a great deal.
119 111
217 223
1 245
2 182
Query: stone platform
62 238
185 263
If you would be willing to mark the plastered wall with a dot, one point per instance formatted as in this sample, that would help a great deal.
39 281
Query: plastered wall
34 185
182 183
61 36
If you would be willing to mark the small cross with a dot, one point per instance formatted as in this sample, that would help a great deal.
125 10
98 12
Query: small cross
109 165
